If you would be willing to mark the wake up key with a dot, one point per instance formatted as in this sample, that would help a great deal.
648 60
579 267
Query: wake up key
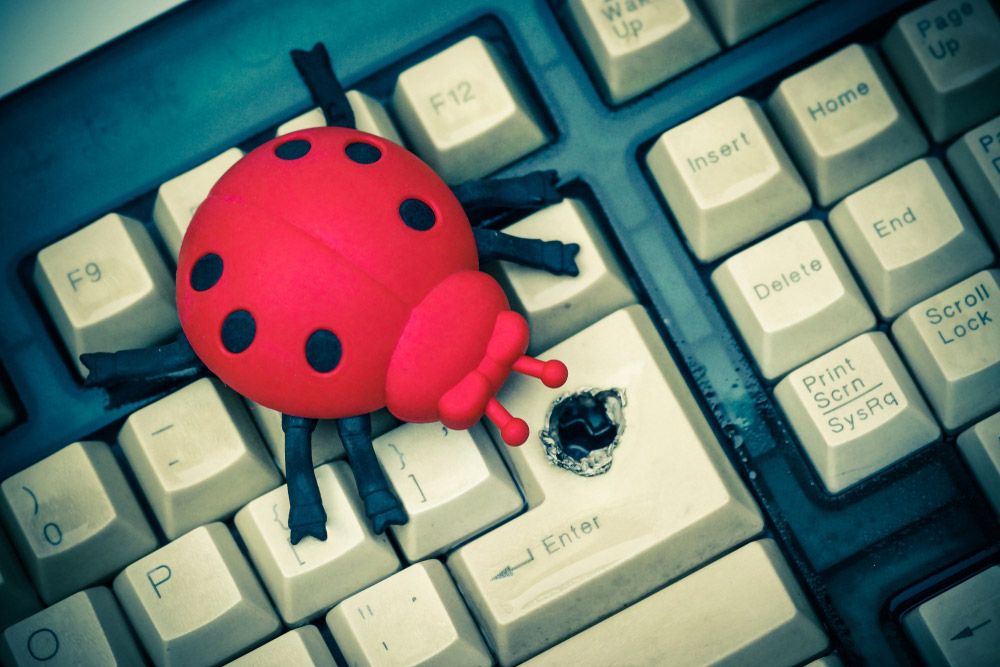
952 342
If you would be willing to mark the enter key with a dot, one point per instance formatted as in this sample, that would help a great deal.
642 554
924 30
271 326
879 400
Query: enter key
626 485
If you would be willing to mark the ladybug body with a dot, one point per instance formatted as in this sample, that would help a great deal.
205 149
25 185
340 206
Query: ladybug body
331 273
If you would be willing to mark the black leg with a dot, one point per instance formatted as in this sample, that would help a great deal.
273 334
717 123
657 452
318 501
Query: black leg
306 515
381 505
317 73
553 256
531 191
172 361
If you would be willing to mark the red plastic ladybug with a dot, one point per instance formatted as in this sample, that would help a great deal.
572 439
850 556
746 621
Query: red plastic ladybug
331 273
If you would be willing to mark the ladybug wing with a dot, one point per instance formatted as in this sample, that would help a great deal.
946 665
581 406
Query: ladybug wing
280 316
377 204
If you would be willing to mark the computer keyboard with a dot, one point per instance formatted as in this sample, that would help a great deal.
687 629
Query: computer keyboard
788 215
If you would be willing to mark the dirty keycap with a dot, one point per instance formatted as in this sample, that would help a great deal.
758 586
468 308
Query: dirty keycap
196 601
959 626
464 111
74 519
87 628
452 484
557 307
415 617
369 116
635 45
952 343
856 410
590 544
179 198
909 235
792 297
197 456
947 54
107 288
845 122
307 578
744 609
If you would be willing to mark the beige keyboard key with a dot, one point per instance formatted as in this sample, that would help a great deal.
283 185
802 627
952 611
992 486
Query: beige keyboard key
465 113
452 484
74 519
634 46
951 341
415 617
947 54
831 660
980 446
856 410
909 235
556 306
369 116
196 601
179 198
326 444
302 647
975 158
743 609
308 578
87 628
792 297
727 178
738 19
19 597
588 545
106 288
197 456
959 627
845 123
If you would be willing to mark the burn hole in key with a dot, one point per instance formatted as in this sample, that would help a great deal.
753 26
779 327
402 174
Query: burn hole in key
583 429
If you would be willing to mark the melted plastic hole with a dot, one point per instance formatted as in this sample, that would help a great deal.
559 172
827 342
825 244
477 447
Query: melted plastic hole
583 429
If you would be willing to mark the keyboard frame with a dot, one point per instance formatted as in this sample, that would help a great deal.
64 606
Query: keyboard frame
183 88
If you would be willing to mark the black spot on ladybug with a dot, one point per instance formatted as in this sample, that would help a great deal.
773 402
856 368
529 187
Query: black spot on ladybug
238 331
417 215
206 272
363 153
292 150
323 350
